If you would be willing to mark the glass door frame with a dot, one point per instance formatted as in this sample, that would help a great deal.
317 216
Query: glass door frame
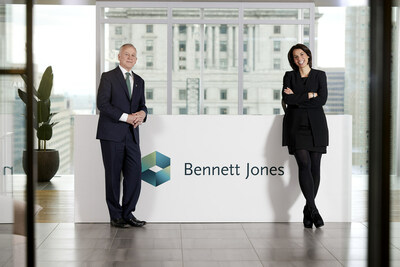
31 175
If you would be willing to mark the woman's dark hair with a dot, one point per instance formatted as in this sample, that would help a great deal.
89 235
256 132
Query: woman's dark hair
291 59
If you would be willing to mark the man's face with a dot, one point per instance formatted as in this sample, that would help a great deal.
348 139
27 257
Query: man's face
127 57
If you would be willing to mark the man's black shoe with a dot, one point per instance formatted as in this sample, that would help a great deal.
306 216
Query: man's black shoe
119 223
135 222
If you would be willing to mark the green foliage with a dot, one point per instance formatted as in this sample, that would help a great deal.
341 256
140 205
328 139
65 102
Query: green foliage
41 103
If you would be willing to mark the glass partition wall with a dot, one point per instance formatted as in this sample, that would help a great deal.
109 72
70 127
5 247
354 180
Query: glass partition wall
395 142
17 246
206 58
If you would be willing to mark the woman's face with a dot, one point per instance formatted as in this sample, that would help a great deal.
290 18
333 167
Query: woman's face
300 58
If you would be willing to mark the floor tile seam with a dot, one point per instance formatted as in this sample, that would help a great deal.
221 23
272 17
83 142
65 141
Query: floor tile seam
254 249
181 237
9 261
340 262
113 239
47 237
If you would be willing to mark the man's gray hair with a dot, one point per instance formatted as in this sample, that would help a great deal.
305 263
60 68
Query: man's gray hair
126 45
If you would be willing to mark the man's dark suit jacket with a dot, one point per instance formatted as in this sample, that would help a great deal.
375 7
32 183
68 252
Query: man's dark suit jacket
113 100
316 82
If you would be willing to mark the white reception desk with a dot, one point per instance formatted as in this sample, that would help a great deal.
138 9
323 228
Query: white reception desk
220 169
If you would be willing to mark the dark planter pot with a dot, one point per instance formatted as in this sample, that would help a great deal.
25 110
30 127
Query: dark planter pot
48 162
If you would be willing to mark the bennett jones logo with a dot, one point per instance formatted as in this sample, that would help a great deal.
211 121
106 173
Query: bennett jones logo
156 168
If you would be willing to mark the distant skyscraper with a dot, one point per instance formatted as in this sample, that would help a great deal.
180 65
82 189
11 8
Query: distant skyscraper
336 85
357 81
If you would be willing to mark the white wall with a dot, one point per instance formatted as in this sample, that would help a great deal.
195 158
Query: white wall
218 141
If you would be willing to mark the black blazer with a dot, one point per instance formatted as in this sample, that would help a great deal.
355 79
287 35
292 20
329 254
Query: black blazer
113 100
316 82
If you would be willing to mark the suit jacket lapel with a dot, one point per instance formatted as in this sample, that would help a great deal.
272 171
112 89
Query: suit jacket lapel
310 76
135 85
122 81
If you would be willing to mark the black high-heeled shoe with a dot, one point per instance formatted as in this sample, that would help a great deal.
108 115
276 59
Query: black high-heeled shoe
307 220
316 218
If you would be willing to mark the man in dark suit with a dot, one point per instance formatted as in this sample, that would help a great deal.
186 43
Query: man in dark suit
121 102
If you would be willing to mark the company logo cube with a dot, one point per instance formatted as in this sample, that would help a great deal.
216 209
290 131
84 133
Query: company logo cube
156 168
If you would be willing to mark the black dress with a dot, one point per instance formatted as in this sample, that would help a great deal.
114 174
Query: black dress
303 134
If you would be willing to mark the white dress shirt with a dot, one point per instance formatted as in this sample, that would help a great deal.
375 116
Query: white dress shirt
124 116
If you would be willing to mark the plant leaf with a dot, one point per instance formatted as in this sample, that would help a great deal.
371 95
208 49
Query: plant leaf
25 78
46 84
44 132
43 111
23 95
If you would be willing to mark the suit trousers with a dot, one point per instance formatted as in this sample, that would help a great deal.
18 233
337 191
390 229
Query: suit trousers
122 158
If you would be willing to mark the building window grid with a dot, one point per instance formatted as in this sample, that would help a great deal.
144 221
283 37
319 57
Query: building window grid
276 30
223 94
182 94
277 95
149 62
149 94
118 30
277 46
149 45
149 28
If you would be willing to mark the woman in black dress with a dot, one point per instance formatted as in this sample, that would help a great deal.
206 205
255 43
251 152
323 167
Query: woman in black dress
305 130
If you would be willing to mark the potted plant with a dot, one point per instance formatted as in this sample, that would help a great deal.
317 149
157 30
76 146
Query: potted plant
48 160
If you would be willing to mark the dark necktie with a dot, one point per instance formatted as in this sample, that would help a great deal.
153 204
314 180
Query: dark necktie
128 84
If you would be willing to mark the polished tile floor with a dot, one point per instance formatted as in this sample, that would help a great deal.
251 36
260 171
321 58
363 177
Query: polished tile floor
208 245
60 242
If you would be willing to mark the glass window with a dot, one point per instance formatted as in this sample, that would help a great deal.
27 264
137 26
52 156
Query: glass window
276 13
149 94
149 110
149 62
182 46
151 66
223 46
277 95
277 63
217 65
306 31
149 45
149 28
223 63
277 46
186 13
263 93
182 29
118 30
135 12
223 111
117 44
245 94
74 29
182 94
223 94
182 111
218 13
276 111
223 29
245 111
